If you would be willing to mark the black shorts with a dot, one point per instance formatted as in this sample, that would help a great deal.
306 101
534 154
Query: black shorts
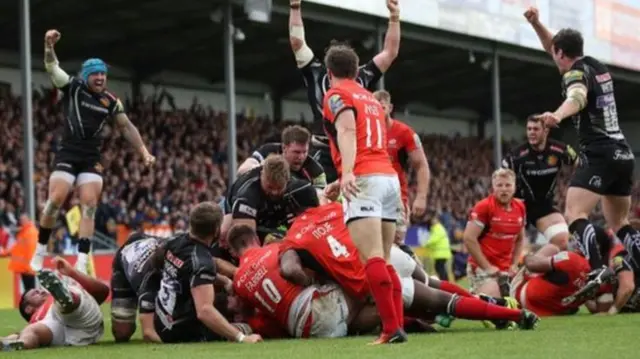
537 210
608 172
75 164
189 331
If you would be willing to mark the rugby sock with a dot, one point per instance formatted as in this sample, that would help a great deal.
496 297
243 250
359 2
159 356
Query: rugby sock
454 289
630 237
398 301
476 309
84 247
585 234
382 292
43 235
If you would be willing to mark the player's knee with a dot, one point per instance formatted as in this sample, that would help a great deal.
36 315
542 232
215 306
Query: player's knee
51 208
558 234
122 332
89 210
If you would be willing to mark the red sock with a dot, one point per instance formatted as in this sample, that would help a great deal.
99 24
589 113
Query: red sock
382 292
398 301
454 289
476 309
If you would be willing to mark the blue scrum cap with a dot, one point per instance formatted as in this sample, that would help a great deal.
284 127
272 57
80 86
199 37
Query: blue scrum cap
92 66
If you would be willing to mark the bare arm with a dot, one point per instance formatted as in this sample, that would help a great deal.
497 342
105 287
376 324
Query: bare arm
626 287
391 46
543 33
59 77
203 298
538 264
149 333
517 249
471 233
130 132
304 55
291 269
248 164
225 268
346 128
418 161
576 100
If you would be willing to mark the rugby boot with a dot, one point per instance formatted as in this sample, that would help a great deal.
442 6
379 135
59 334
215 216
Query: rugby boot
444 320
58 290
596 278
497 324
528 320
10 345
396 338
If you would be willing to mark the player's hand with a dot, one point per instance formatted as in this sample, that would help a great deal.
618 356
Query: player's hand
149 159
51 37
332 191
419 207
252 339
550 119
492 271
62 265
348 186
513 270
532 15
294 3
394 8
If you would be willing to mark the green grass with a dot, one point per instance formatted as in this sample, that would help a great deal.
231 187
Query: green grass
578 337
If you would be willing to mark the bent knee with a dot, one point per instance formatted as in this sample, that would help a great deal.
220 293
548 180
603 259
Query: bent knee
122 332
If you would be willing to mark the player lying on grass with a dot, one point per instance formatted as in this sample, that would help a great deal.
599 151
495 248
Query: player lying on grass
67 313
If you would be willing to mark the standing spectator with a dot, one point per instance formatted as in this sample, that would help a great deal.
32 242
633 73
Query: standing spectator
22 251
438 248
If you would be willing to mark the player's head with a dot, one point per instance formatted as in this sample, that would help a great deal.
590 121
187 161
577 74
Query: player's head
94 74
205 220
384 97
241 237
537 132
295 145
275 176
566 46
341 61
30 301
503 182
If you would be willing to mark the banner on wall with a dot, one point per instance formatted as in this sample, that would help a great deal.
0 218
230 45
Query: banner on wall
11 285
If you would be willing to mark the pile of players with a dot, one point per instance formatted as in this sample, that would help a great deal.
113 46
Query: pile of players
308 242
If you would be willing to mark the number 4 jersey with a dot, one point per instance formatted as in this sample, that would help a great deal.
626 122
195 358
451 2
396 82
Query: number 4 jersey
322 241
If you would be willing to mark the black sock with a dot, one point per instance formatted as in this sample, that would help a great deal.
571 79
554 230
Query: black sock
630 237
43 235
586 238
84 245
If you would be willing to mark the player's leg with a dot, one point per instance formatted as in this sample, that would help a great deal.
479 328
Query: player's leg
391 210
555 229
124 303
481 283
330 310
89 189
60 184
40 334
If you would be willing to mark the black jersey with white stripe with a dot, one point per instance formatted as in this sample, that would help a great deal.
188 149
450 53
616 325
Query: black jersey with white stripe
247 200
86 113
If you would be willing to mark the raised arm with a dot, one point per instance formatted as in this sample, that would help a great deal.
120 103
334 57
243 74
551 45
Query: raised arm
304 55
59 77
391 46
543 33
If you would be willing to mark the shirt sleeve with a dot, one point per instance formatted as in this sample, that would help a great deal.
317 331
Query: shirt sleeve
147 293
244 208
562 262
369 75
411 139
574 77
336 101
264 151
203 270
480 214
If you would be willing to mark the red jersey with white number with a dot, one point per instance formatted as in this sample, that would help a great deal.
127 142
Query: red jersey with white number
402 140
371 133
321 232
259 283
543 293
500 229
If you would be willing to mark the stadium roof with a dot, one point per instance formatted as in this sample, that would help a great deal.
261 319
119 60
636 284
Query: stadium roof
148 36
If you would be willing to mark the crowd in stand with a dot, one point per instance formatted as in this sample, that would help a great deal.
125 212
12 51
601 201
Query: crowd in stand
191 150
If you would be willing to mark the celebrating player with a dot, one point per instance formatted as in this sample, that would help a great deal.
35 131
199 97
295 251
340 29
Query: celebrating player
185 309
494 236
537 165
135 279
405 149
316 76
354 122
87 107
607 162
295 149
67 313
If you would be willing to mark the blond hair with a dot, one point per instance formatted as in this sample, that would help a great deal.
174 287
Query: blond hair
503 173
276 169
382 95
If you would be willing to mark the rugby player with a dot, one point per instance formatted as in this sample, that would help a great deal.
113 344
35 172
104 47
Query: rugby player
354 123
295 149
405 149
185 309
88 107
67 312
319 242
494 236
135 282
537 164
547 278
607 162
316 77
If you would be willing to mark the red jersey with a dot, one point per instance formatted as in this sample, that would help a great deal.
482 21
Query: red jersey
321 232
544 292
258 282
500 229
402 140
371 132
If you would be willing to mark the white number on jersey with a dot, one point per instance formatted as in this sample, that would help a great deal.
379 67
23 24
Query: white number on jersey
271 291
169 290
338 249
610 113
377 134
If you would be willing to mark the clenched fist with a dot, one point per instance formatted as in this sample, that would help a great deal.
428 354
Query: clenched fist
532 15
51 37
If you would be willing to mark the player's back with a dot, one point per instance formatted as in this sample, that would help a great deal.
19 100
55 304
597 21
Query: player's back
320 233
401 140
258 281
371 132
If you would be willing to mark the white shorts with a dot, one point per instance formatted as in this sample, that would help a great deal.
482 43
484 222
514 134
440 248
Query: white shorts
402 262
330 313
83 326
477 278
379 197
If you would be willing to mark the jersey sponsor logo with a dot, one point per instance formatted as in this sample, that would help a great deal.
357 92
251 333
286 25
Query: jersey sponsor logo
603 77
595 181
206 276
552 160
177 262
573 76
104 102
335 104
623 155
523 153
392 143
556 148
562 256
247 210
544 172
605 100
94 107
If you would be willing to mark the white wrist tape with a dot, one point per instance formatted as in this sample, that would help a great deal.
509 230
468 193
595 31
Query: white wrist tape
58 76
304 55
